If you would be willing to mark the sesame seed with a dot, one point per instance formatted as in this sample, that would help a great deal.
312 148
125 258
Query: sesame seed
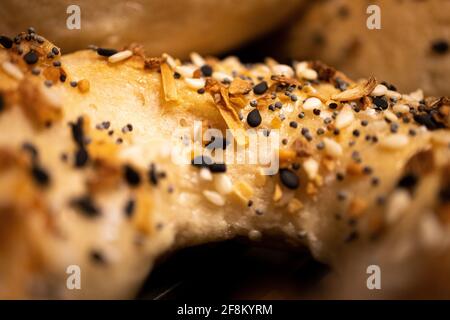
381 103
120 56
332 148
57 63
81 157
86 205
97 257
260 88
206 70
344 118
131 176
394 141
31 57
312 103
55 51
214 197
254 118
223 183
379 90
293 124
440 46
289 179
6 42
40 176
73 84
105 52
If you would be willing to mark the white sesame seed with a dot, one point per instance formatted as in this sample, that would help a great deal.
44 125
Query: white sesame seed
214 197
379 90
303 71
170 61
120 56
312 103
344 118
221 76
185 71
197 59
205 174
390 116
397 205
332 148
309 74
223 183
194 83
393 94
254 235
282 70
12 70
394 141
311 167
400 107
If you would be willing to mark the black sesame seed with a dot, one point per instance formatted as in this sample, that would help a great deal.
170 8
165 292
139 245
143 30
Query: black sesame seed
206 70
440 46
301 115
97 257
131 176
356 133
31 30
6 42
294 97
129 207
380 103
217 167
408 181
40 176
293 124
254 118
62 78
105 52
73 83
81 157
289 179
278 105
201 91
153 175
85 205
55 51
428 120
57 63
260 88
254 103
31 57
77 132
316 112
332 105
176 75
249 203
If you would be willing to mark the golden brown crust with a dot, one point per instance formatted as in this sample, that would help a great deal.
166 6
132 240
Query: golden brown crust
96 160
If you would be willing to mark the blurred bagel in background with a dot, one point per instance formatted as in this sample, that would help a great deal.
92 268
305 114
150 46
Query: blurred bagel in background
174 26
411 50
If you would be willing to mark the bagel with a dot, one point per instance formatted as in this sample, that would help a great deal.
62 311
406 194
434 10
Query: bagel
88 179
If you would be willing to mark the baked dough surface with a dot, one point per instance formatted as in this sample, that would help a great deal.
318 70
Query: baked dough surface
79 186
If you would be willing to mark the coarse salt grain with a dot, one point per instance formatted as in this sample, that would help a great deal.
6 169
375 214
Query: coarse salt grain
120 56
312 103
214 197
12 70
